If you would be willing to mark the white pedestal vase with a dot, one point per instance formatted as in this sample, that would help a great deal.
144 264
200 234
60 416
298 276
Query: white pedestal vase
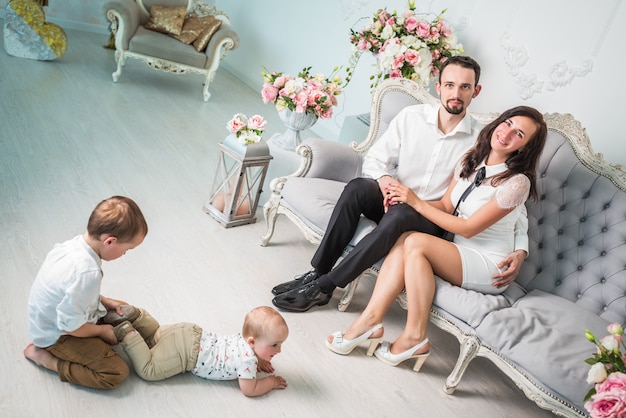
295 122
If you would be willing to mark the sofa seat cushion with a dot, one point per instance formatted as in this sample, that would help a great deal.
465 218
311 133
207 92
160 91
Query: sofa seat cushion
545 335
470 306
155 44
313 199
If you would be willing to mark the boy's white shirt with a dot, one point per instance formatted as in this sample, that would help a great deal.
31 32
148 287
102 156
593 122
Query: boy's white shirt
66 292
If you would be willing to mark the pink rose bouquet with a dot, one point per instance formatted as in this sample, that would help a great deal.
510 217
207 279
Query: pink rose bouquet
607 398
247 130
405 45
305 93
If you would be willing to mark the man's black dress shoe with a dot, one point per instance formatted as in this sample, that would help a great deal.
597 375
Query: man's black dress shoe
302 299
299 281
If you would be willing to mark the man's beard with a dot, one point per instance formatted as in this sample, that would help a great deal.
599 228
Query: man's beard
454 110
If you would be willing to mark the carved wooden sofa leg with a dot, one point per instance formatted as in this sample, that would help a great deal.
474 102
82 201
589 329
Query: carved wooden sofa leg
468 350
270 213
348 294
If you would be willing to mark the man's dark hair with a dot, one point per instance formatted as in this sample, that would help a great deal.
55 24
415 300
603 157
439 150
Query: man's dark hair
463 61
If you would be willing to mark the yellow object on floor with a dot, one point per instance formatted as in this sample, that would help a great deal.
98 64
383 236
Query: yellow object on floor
28 35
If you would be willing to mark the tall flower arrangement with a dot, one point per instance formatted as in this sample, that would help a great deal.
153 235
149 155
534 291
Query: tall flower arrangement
305 93
607 398
406 45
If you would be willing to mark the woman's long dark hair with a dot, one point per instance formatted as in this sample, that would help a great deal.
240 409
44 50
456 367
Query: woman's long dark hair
523 161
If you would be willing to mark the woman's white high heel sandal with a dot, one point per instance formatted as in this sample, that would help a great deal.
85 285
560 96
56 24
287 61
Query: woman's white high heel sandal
343 346
383 354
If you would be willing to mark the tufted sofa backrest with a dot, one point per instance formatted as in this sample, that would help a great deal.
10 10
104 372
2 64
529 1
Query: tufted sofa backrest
577 228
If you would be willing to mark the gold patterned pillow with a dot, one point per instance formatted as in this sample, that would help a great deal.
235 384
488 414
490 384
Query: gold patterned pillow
167 20
203 39
193 27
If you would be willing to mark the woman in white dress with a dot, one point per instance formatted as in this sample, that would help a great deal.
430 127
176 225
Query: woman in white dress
506 151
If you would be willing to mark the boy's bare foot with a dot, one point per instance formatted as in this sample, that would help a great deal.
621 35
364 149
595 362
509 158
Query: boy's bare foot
41 357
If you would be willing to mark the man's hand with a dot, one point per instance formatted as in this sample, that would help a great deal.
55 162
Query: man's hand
384 182
512 262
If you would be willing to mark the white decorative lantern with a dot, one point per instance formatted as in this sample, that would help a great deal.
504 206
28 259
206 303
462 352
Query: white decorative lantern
238 182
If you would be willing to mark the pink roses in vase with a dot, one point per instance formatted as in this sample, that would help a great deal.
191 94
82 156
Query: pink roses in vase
247 130
306 93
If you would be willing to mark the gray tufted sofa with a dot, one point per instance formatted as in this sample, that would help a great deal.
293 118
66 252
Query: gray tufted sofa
574 277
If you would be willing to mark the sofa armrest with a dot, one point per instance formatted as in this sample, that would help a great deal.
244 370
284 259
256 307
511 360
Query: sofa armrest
226 37
125 18
329 160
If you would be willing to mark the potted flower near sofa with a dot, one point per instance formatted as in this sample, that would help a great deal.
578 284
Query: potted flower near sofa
241 169
300 101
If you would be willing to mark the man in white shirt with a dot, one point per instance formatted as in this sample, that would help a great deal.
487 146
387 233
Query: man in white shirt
420 150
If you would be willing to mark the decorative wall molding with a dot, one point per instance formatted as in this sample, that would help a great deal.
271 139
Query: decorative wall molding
560 74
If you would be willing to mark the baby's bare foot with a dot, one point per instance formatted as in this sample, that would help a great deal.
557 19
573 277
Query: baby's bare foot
41 357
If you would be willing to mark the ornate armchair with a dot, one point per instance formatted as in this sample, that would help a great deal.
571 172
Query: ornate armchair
162 51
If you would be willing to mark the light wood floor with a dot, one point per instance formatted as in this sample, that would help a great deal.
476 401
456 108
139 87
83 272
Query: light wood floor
71 137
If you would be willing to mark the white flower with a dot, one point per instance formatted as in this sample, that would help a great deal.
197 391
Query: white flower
615 329
423 69
387 32
294 85
596 374
389 52
453 42
413 42
610 343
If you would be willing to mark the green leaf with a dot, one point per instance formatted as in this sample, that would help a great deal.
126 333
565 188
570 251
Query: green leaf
589 394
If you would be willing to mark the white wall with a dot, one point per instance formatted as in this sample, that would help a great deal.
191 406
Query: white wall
558 55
